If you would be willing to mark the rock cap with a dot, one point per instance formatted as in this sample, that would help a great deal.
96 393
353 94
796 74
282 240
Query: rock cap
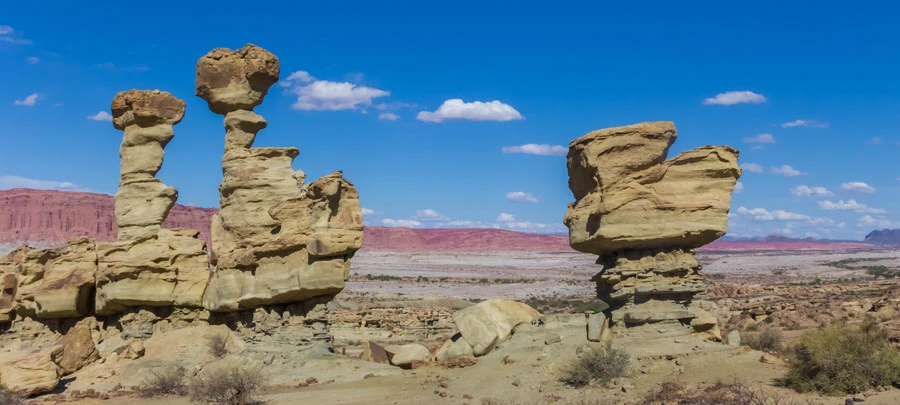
146 108
231 80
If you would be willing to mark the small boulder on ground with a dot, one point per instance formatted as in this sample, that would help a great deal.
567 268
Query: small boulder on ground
489 323
404 355
455 347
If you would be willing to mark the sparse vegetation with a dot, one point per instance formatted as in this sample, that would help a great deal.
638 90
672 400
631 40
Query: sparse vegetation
840 359
734 393
218 344
10 397
167 381
599 364
232 384
876 270
382 277
766 340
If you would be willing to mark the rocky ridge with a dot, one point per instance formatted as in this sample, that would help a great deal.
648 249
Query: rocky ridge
644 215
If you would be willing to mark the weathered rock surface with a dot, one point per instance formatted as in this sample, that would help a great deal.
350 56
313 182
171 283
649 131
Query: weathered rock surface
643 215
491 322
30 372
455 347
405 355
272 241
77 350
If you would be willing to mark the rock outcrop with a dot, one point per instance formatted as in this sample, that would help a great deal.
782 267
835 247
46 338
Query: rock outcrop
272 241
643 215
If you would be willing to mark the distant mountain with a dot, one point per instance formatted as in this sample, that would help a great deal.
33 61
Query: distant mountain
884 237
779 238
43 218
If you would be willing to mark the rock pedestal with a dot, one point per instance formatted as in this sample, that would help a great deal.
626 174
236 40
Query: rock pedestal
273 241
643 215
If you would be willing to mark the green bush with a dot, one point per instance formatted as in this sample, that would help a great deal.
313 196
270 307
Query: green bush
840 359
599 364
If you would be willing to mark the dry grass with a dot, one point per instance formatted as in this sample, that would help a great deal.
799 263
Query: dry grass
231 384
766 340
734 393
218 344
599 364
167 381
840 359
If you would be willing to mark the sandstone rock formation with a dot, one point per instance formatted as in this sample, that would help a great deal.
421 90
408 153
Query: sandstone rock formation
643 215
273 241
485 325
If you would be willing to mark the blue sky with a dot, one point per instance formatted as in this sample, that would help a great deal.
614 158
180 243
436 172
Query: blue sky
808 85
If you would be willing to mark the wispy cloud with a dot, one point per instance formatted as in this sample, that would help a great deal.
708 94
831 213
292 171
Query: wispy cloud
29 100
504 217
429 215
100 116
786 170
875 141
324 95
367 211
804 123
521 196
474 111
388 116
849 205
752 167
10 35
816 191
10 182
535 149
871 221
762 214
32 60
405 223
857 187
735 97
761 138
738 187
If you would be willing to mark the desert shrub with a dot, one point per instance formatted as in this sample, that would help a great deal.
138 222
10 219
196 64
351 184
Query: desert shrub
766 340
840 359
231 384
599 364
10 397
734 393
166 381
218 344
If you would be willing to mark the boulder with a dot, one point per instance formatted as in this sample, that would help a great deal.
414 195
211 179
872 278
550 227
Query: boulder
405 355
52 283
77 350
231 80
30 372
597 327
455 347
489 323
706 325
643 215
375 353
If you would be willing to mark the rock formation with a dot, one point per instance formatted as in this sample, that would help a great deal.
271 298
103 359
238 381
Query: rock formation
643 215
281 247
273 241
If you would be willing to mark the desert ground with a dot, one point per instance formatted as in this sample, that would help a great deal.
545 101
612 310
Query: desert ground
400 297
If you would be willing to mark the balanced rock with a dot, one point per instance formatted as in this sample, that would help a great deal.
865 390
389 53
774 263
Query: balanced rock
274 241
489 323
643 215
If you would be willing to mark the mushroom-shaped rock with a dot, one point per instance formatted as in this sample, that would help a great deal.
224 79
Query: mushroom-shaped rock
231 80
146 108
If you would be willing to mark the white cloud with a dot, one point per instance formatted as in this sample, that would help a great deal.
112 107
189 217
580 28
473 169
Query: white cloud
388 116
521 196
762 214
752 167
367 211
761 138
10 182
8 34
406 223
806 191
535 149
786 170
804 123
504 217
32 60
857 187
875 141
735 97
100 116
526 226
738 187
429 215
475 111
870 221
849 205
28 101
323 95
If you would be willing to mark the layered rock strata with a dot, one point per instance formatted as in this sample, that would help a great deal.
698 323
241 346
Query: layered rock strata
643 215
272 241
